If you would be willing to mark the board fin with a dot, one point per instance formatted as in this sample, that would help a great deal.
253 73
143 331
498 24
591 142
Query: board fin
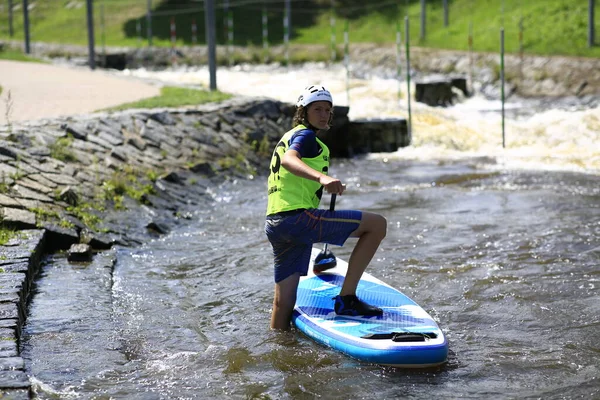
401 336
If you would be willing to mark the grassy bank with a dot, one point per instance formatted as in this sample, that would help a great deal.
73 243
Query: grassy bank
16 55
551 27
175 97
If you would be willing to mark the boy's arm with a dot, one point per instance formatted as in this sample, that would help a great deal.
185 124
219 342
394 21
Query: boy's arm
292 161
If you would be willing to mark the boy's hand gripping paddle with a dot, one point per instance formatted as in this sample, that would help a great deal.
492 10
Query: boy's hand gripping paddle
325 259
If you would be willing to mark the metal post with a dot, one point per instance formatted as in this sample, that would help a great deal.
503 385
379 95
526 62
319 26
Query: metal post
347 60
470 44
332 23
90 26
11 30
398 59
149 22
194 32
502 82
591 33
103 34
286 30
422 19
407 38
26 26
209 15
138 30
446 13
230 36
265 32
521 48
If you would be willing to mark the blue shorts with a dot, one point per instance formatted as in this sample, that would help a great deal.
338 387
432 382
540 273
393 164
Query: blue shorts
293 235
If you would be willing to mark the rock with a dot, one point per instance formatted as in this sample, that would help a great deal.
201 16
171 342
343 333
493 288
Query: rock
80 252
204 168
163 117
77 131
173 177
16 218
100 241
69 196
59 238
116 61
157 227
434 93
377 135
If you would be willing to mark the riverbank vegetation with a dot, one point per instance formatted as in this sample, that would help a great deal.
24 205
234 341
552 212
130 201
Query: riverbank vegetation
549 27
16 55
175 97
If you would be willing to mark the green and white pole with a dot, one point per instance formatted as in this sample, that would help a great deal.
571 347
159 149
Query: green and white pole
265 33
502 82
103 34
407 39
332 23
347 60
230 35
286 31
398 59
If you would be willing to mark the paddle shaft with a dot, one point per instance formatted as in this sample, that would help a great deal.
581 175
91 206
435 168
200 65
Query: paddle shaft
331 208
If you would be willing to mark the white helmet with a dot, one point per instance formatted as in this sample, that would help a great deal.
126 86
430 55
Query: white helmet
314 93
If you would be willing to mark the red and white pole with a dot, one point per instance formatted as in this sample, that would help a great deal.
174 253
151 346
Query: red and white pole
194 32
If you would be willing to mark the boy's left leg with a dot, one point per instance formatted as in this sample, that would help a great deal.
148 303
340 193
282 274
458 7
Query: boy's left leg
284 301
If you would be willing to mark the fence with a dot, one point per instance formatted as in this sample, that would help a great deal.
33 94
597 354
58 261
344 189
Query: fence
457 24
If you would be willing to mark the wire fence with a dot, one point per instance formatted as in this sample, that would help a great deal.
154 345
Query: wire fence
265 23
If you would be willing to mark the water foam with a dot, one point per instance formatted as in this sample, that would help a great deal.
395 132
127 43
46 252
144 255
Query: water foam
551 139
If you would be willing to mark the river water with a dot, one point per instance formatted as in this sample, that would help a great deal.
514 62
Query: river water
500 246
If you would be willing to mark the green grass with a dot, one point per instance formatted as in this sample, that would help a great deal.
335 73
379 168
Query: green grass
553 27
16 55
6 234
175 97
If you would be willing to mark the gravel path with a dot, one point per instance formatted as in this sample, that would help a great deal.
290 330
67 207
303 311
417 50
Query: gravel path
46 91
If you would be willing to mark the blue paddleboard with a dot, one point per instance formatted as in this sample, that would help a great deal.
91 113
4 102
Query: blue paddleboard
404 336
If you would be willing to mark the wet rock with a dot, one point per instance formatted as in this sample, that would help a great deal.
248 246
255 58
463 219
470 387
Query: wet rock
434 93
69 196
15 380
100 241
173 177
16 218
158 227
59 238
80 252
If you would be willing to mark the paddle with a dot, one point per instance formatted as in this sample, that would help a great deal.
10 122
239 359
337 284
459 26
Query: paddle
325 259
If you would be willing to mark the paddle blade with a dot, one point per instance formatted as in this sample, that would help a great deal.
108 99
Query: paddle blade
323 261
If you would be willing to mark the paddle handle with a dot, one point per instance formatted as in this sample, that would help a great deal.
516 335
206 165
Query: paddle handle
332 203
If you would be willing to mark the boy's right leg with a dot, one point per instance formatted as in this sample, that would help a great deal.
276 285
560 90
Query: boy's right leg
370 233
284 301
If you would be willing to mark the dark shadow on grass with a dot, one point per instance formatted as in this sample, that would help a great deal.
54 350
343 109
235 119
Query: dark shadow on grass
247 21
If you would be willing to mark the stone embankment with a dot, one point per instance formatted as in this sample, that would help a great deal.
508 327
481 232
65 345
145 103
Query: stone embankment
86 183
83 184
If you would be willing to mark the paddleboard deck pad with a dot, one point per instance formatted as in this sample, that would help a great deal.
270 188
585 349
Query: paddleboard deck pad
404 336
